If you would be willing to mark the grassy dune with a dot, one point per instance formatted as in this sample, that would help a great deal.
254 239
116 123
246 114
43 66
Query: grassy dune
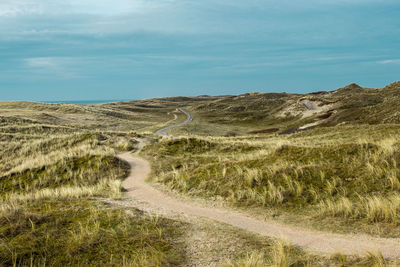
58 168
346 176
51 175
48 215
273 112
53 183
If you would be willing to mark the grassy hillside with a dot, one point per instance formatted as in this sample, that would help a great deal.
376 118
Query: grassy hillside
57 179
282 113
220 116
344 179
123 116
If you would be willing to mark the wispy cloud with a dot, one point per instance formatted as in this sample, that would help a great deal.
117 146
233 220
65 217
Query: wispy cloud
58 67
389 61
42 62
93 17
284 18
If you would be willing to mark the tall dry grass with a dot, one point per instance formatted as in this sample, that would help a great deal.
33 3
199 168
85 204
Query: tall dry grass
373 208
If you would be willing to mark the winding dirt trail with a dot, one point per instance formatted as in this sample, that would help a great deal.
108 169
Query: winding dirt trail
163 132
321 242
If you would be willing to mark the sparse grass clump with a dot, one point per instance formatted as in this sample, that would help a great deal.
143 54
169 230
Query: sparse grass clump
278 254
281 253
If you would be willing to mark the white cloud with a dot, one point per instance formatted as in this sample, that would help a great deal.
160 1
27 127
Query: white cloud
35 18
390 61
17 8
41 62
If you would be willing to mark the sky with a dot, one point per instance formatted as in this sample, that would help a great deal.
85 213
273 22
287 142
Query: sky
134 49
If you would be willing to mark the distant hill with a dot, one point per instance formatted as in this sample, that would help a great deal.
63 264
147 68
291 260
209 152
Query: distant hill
261 111
246 113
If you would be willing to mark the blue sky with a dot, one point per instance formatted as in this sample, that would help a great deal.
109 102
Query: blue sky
131 49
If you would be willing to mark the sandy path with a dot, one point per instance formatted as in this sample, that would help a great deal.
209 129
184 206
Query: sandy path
163 132
322 242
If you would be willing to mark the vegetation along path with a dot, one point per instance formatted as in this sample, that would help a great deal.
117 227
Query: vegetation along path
322 242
